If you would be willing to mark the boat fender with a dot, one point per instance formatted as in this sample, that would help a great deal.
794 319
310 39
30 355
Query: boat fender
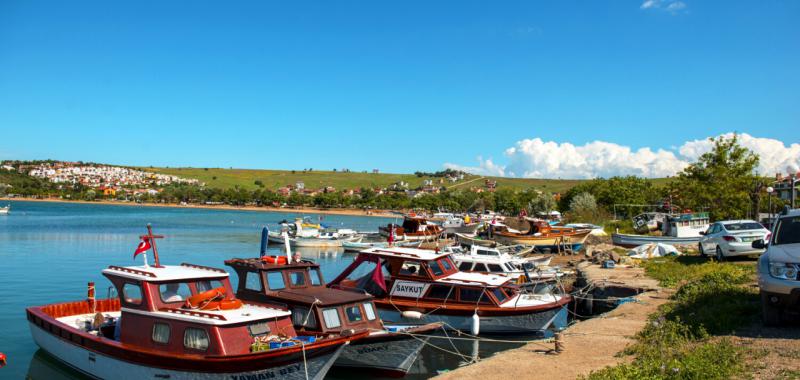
2 360
476 324
410 314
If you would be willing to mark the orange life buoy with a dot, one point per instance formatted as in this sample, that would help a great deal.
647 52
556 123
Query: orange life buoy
222 305
280 260
198 299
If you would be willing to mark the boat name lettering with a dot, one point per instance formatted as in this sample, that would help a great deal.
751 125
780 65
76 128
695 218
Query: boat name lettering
269 375
409 289
372 349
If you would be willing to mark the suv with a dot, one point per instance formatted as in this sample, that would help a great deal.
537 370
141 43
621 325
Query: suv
779 268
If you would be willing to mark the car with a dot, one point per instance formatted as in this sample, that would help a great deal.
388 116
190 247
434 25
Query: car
779 268
730 238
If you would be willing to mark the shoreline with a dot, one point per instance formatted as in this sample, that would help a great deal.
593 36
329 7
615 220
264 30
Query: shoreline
302 210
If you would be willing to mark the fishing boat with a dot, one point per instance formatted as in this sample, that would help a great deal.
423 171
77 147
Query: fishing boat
179 322
298 236
413 229
5 210
683 229
390 349
540 234
492 260
595 229
414 286
459 225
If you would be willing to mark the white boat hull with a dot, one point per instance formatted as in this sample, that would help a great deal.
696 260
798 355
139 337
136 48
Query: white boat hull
100 366
395 356
632 241
552 319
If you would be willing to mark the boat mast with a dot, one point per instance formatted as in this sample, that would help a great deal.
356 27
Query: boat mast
152 238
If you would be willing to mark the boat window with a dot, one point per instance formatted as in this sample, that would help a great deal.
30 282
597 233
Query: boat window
441 292
161 333
495 268
480 267
316 277
206 285
195 339
410 268
252 281
353 313
132 293
174 292
331 317
435 268
446 264
471 295
258 329
303 317
275 281
499 294
297 279
483 252
465 266
369 310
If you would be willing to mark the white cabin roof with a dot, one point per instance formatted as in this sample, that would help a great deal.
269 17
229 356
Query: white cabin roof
471 278
166 273
409 253
246 313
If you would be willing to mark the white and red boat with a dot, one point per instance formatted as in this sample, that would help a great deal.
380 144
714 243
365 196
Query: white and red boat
390 349
416 286
179 322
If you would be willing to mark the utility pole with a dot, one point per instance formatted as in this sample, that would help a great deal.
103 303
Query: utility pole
793 181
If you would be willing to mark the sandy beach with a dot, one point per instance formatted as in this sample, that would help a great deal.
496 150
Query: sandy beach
294 210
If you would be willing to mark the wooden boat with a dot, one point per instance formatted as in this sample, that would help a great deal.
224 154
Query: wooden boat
542 235
179 322
683 229
318 310
470 240
414 286
413 229
458 225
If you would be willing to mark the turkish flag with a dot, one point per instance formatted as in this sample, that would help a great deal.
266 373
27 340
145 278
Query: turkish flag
143 246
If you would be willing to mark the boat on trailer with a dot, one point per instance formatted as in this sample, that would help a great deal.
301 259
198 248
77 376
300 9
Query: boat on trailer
179 322
683 229
414 286
389 349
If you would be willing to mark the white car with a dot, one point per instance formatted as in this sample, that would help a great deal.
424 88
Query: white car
732 238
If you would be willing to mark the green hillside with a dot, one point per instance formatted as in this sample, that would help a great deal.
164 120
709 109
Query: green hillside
273 179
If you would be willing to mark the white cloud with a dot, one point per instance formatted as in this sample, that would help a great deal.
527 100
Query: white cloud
536 158
672 6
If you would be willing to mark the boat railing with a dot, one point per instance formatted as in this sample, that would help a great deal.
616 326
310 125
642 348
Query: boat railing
195 266
132 271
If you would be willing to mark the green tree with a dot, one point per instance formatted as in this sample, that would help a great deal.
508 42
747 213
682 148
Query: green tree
720 181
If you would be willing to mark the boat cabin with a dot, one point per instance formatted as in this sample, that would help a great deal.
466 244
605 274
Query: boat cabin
686 225
300 286
408 273
151 312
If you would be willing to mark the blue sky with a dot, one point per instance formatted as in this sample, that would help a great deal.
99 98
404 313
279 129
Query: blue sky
399 86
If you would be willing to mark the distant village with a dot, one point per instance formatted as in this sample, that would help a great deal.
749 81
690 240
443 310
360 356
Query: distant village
109 180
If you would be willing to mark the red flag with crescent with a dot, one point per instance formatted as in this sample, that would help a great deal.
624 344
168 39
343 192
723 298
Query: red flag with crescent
143 246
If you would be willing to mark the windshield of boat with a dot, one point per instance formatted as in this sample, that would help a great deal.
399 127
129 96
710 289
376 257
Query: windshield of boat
316 277
174 292
787 231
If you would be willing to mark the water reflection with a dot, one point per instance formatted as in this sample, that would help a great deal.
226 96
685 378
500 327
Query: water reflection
45 367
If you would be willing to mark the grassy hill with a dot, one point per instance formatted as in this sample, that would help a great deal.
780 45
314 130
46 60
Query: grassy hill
273 179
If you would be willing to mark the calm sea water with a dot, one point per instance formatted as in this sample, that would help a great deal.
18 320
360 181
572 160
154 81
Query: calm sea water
49 251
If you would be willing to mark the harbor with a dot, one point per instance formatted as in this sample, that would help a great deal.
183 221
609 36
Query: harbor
65 232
